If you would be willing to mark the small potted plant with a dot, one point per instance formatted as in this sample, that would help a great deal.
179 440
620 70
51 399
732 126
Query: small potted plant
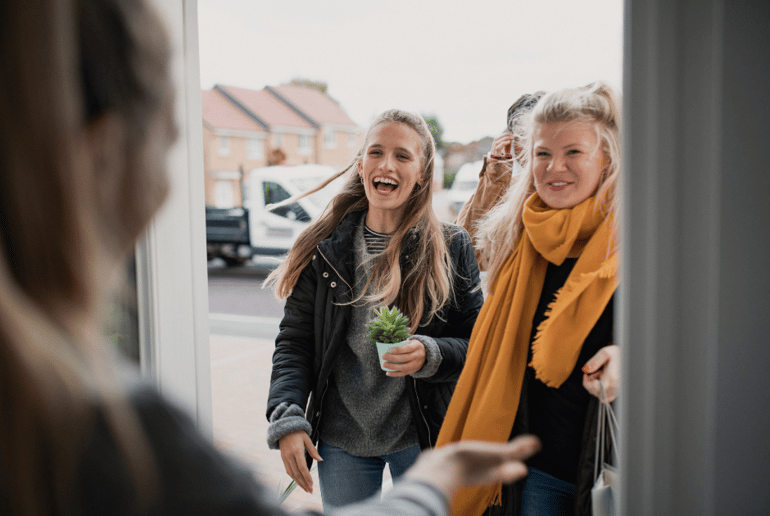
388 330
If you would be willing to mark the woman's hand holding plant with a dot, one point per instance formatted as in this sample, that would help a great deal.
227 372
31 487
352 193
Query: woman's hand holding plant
406 359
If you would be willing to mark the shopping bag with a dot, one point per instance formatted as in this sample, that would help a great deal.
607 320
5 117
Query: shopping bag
606 482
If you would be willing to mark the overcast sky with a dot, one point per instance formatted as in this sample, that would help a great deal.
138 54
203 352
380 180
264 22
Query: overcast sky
463 61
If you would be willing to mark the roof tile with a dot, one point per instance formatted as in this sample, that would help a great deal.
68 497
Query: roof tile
316 105
267 107
220 113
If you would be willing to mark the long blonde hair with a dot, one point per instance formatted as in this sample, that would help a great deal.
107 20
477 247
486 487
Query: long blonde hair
65 218
597 103
424 286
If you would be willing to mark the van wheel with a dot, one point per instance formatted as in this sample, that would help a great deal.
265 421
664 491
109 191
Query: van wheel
233 262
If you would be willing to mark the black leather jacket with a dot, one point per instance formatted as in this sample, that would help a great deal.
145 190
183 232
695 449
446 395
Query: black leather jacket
316 320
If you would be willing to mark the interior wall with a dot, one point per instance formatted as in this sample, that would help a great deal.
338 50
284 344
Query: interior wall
695 316
742 480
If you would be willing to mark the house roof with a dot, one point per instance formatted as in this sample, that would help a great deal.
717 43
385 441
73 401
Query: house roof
263 106
313 103
220 113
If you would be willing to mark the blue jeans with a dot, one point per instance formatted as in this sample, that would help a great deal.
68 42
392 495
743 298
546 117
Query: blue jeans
346 479
546 495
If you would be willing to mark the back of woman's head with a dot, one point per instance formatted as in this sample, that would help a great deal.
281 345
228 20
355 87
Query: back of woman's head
84 88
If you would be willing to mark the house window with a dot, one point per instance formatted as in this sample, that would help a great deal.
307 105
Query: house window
304 144
329 138
278 140
255 148
351 139
224 145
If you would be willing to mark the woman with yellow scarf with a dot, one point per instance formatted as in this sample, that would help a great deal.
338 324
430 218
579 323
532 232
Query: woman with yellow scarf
544 335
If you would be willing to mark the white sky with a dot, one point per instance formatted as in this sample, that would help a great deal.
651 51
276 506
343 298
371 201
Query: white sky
464 61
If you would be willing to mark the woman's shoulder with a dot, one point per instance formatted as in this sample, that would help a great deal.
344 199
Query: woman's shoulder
195 474
454 234
343 233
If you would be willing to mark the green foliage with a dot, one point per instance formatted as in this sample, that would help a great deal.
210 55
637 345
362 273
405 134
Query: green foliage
449 178
436 130
388 326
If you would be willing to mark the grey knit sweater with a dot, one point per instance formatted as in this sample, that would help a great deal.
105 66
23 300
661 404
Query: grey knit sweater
368 413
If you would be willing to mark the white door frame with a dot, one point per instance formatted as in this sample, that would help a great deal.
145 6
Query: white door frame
172 283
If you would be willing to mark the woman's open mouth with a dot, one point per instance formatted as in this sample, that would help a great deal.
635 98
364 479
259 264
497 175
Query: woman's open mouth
384 185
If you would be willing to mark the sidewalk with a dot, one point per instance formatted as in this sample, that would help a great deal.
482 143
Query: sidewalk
240 377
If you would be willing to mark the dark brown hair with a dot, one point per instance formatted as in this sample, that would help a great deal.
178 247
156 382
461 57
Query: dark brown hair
65 216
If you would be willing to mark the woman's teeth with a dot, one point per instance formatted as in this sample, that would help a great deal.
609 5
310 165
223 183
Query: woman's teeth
385 184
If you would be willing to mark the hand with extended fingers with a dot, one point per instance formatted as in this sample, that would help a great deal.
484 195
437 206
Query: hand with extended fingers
293 448
468 463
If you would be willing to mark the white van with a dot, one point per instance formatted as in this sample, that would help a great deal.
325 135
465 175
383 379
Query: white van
274 232
465 183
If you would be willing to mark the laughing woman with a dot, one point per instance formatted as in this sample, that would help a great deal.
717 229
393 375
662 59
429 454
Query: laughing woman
378 243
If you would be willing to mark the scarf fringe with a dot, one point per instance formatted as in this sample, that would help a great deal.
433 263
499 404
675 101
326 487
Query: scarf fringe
497 497
563 298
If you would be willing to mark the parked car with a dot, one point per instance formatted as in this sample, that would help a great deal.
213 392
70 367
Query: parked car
465 183
238 234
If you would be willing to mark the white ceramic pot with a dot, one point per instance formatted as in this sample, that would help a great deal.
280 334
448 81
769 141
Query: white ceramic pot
383 347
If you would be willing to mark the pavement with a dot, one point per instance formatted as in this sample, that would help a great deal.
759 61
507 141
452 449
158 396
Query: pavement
240 377
241 362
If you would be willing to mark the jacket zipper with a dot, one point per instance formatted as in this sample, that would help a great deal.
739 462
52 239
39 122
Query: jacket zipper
332 266
321 404
419 409
326 386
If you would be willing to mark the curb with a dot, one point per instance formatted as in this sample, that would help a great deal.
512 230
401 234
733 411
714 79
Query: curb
244 325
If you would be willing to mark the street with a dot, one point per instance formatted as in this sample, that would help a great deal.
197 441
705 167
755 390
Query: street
238 290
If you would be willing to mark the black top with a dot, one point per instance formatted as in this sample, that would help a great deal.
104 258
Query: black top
557 416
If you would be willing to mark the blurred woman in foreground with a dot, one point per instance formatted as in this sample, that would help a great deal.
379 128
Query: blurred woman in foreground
85 126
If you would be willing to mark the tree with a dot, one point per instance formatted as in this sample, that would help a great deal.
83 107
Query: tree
436 130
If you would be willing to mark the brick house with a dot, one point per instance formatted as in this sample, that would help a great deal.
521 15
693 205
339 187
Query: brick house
233 144
338 137
244 128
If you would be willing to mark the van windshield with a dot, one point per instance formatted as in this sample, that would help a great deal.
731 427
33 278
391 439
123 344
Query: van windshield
324 196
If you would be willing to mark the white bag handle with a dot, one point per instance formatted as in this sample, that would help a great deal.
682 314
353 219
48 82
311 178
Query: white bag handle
605 414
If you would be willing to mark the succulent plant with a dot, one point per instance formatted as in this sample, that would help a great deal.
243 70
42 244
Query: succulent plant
388 326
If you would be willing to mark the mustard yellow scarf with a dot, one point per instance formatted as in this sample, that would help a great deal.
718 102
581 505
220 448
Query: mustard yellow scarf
486 399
